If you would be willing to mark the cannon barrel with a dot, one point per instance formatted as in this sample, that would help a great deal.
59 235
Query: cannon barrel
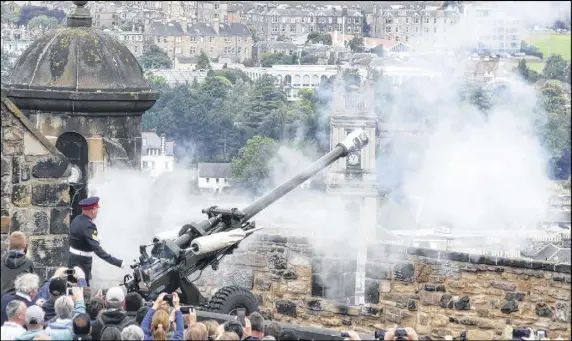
353 142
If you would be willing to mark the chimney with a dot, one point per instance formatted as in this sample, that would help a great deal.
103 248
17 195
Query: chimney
162 144
216 25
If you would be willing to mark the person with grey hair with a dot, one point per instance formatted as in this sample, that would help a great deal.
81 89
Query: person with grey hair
66 308
132 332
26 286
269 337
34 323
13 327
115 314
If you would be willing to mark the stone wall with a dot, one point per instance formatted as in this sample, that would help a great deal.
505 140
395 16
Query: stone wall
437 293
35 191
109 137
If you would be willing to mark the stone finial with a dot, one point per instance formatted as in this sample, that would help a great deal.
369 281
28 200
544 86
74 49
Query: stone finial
80 17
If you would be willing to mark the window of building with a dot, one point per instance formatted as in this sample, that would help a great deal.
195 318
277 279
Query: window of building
227 49
311 20
388 20
388 29
232 50
208 179
245 50
396 38
293 28
275 29
274 20
239 50
216 6
426 20
303 20
293 20
211 49
217 180
193 39
435 30
407 30
434 20
311 28
406 39
407 20
283 28
225 181
193 50
340 27
227 39
211 40
396 29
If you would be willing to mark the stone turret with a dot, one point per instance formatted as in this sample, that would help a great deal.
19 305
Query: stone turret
85 92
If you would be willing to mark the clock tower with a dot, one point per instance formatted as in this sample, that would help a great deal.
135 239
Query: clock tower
354 178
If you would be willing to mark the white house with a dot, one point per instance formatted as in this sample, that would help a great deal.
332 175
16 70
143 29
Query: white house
213 177
157 154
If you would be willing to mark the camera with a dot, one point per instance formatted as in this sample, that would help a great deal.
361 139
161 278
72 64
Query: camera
379 334
185 309
400 334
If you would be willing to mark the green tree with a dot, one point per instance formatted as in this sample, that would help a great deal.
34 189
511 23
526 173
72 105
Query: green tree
204 63
556 128
525 72
481 98
316 38
251 166
356 44
265 98
279 58
555 68
233 75
44 23
155 58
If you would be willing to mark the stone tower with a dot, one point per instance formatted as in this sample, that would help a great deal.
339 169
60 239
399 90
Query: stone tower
85 92
354 177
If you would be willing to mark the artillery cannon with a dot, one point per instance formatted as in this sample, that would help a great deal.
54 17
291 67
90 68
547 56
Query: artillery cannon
204 244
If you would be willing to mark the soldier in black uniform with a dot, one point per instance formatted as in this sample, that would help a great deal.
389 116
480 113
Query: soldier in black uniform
83 239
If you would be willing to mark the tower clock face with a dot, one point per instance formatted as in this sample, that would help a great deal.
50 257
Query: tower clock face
353 159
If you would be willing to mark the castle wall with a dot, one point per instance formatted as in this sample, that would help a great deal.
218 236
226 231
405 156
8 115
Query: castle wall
35 196
437 293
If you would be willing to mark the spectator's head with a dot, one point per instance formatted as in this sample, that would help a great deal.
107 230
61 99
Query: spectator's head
82 324
235 327
268 337
133 301
288 335
132 333
96 304
58 286
111 333
115 298
256 325
16 312
197 331
60 272
27 284
273 329
228 336
34 318
141 314
64 307
160 325
17 241
212 326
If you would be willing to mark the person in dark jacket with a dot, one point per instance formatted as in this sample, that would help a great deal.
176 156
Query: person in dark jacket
114 315
84 240
82 327
133 302
15 262
26 287
57 288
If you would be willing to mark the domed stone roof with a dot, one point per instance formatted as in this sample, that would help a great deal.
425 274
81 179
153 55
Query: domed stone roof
79 69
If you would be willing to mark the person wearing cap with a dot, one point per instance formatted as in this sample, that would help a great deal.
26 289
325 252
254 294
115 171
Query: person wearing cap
34 323
114 315
84 241
56 289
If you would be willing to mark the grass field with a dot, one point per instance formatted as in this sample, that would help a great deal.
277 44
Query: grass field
535 65
551 43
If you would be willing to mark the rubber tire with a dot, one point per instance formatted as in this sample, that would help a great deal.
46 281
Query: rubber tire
227 298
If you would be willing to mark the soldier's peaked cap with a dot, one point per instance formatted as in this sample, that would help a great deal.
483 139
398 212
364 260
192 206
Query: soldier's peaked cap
89 203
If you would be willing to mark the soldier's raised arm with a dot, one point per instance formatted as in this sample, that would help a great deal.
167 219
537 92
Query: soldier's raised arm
93 241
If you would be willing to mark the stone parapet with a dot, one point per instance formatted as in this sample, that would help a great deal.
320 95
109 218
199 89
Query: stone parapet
438 293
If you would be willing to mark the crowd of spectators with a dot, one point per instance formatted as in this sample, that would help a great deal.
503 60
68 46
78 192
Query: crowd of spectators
63 308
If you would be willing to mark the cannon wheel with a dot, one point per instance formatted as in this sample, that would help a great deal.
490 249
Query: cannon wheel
230 298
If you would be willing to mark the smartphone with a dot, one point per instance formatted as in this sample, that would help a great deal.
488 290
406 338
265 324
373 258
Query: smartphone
518 333
400 334
70 272
241 315
69 291
541 334
169 299
186 309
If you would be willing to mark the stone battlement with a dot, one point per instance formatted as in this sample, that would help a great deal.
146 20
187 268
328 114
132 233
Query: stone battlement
436 292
